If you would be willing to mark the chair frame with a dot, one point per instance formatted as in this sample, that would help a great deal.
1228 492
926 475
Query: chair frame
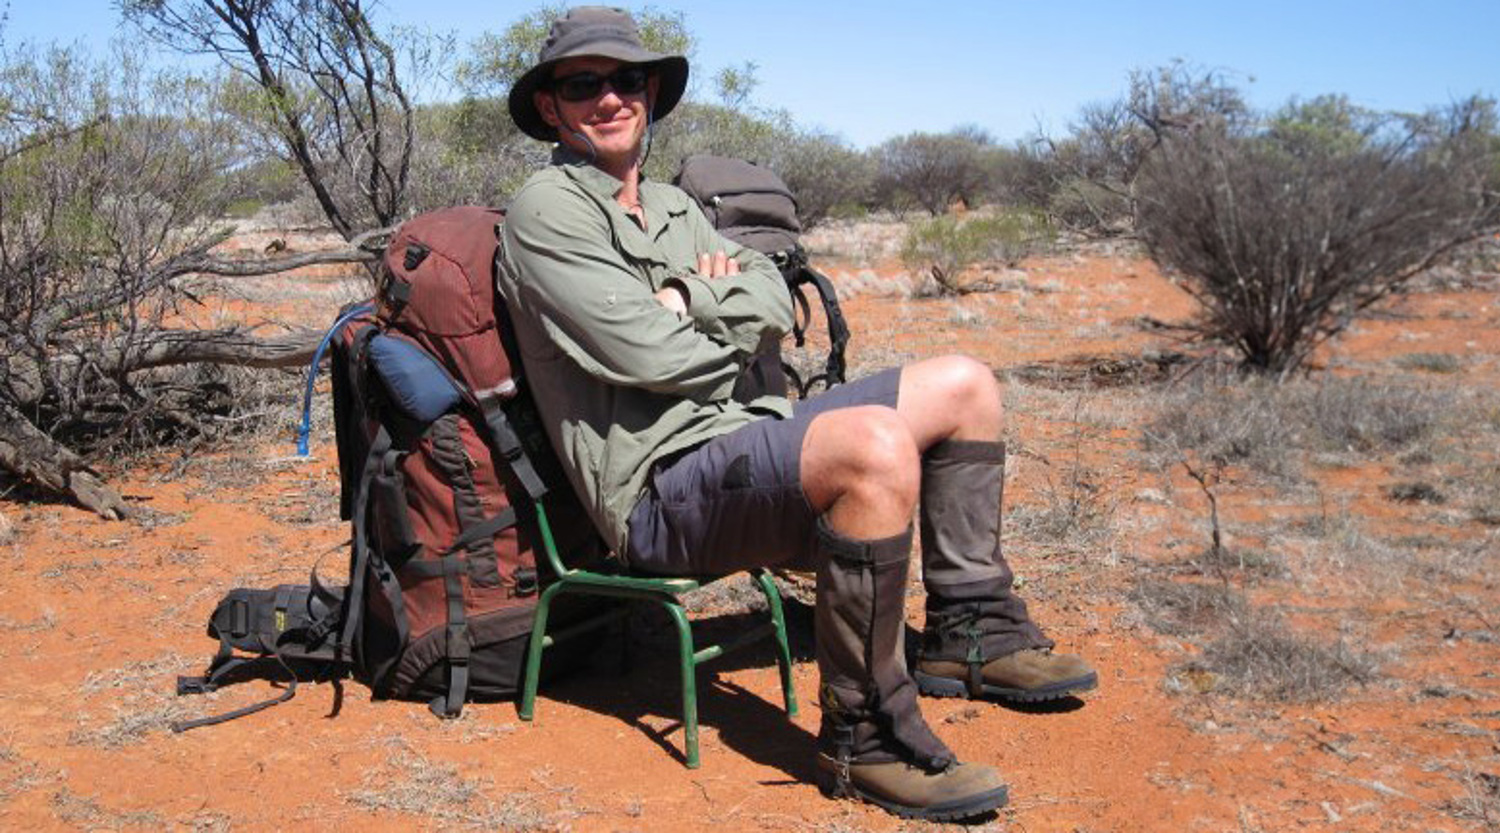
667 592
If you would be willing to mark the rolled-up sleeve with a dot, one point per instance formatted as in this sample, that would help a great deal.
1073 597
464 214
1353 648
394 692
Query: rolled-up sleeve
558 251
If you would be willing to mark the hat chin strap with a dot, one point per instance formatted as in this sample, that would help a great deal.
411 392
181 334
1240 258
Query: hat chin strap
650 131
593 153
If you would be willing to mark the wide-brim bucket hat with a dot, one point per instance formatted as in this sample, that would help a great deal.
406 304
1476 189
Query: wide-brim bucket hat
594 31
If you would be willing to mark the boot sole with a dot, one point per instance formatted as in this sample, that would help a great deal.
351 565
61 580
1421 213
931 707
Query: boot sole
934 686
956 810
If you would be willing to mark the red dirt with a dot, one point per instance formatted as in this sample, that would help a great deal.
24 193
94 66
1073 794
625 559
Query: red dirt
98 618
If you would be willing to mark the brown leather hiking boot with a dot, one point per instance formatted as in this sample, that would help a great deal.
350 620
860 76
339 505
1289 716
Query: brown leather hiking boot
959 791
1031 675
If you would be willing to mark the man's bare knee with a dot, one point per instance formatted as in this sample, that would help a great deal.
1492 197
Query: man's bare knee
951 397
862 466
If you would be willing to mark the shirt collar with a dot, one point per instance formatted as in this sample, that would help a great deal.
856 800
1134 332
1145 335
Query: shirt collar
578 167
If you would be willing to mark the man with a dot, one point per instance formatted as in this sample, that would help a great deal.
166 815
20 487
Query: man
634 319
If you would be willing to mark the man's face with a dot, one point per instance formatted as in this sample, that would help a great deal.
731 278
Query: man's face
613 122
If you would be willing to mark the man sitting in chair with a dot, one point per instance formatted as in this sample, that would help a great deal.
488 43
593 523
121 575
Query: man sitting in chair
634 319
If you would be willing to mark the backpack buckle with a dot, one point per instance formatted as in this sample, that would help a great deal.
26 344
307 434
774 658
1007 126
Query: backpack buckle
526 581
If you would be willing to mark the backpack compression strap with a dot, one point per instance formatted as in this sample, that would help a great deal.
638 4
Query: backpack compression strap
453 563
361 562
799 274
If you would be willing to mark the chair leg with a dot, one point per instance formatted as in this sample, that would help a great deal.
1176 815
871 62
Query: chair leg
783 650
688 664
534 650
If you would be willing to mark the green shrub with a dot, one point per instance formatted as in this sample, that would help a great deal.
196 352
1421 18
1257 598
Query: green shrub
946 246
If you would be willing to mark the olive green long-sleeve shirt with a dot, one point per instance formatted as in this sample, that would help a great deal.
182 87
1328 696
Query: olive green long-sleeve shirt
619 379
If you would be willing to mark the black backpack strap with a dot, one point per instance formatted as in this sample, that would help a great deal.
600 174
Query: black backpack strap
224 663
799 274
838 327
210 683
456 641
505 441
363 560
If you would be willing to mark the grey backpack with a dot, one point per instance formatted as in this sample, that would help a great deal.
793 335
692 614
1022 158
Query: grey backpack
752 206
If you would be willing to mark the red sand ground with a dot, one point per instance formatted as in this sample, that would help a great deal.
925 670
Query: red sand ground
98 618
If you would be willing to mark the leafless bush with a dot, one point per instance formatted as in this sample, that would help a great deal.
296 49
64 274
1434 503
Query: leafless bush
1261 658
111 186
318 83
1285 230
1186 609
933 170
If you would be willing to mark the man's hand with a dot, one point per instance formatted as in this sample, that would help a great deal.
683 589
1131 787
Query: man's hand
672 298
716 265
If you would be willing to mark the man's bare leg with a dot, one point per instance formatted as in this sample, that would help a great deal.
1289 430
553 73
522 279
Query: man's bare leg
862 466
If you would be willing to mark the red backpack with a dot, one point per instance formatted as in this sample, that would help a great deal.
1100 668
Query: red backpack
442 458
442 461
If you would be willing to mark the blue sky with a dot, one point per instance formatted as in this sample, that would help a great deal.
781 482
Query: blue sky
882 68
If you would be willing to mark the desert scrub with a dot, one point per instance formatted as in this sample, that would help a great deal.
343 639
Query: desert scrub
418 786
1186 609
1255 422
1248 652
1260 657
946 246
1429 362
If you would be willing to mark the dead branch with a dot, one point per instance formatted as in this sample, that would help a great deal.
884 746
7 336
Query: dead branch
40 460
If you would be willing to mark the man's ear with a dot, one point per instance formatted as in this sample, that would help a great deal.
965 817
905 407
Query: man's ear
546 105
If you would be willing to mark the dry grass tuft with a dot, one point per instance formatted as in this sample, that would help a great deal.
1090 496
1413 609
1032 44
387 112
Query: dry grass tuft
412 784
85 812
131 724
1181 609
1250 652
44 622
1480 800
19 775
1256 423
146 674
1260 658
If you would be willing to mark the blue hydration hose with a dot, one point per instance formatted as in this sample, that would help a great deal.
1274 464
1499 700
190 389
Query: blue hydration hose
312 372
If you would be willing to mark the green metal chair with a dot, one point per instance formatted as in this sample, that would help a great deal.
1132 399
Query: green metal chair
668 592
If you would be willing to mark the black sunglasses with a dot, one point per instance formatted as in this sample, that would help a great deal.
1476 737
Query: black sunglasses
583 86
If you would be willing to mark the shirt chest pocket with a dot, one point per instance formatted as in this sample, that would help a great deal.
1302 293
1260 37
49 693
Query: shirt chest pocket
642 255
652 255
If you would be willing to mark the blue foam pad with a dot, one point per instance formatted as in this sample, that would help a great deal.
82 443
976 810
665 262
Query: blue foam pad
416 382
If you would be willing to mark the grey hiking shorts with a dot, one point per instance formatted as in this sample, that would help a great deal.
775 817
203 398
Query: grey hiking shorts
736 501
